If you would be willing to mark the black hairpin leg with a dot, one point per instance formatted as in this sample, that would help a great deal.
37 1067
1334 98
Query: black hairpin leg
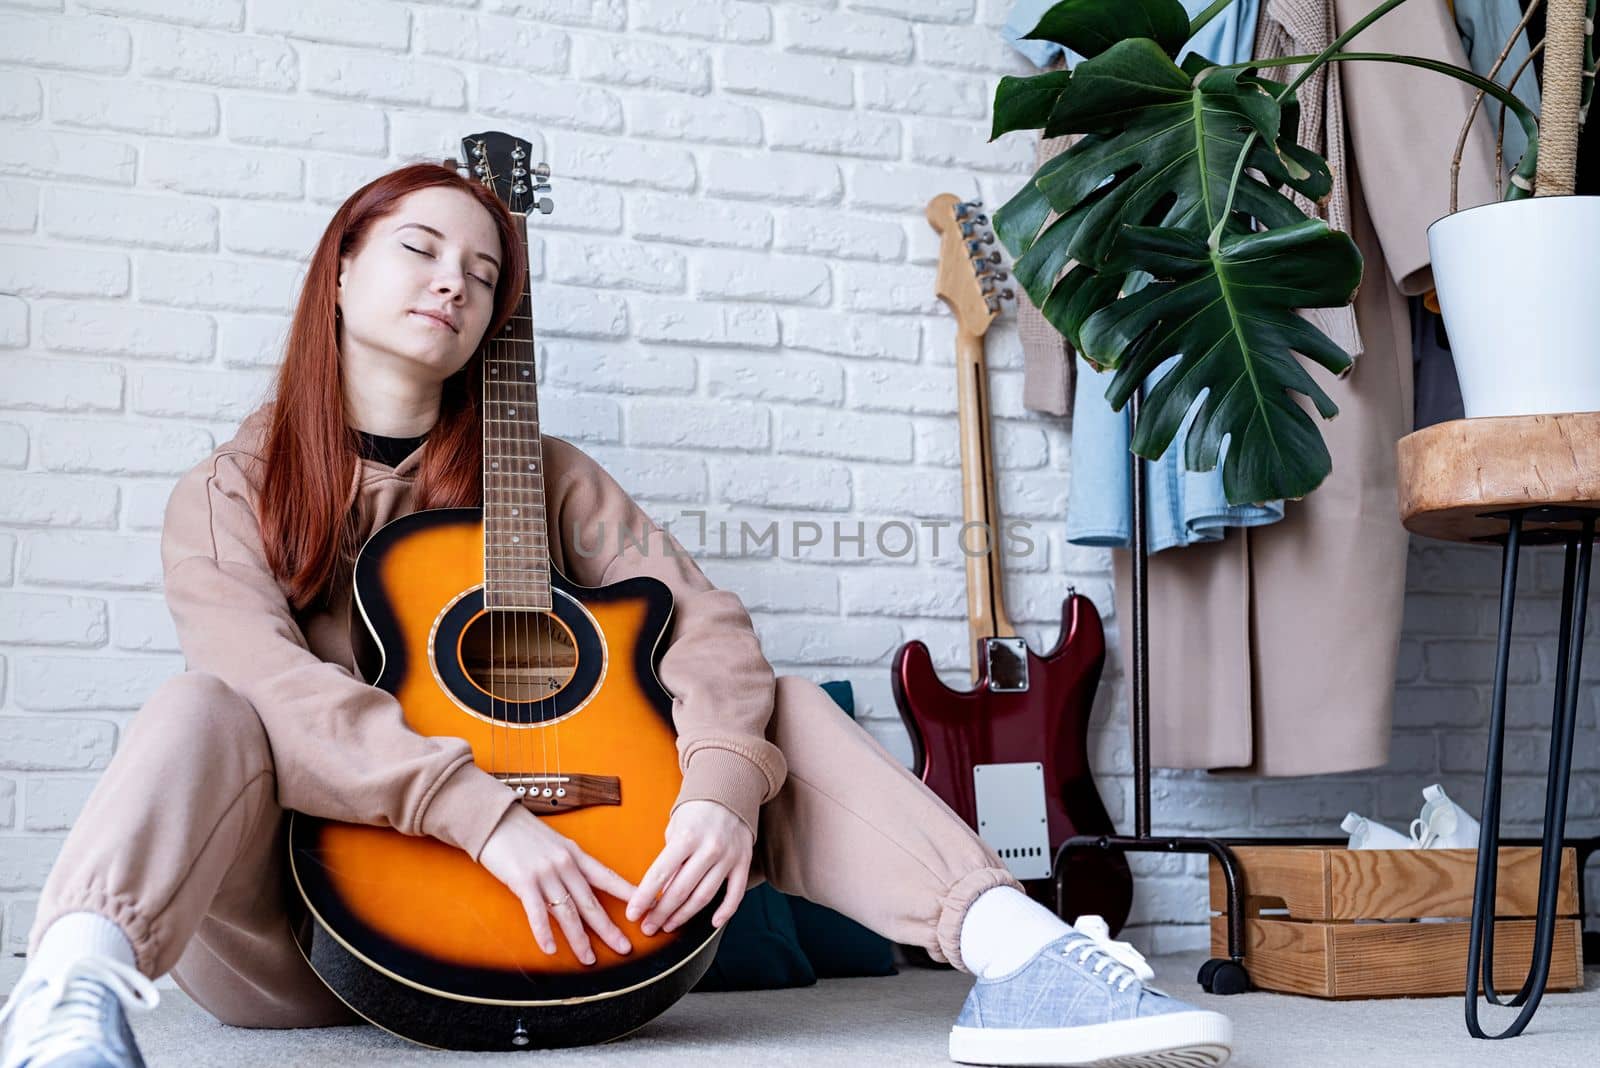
1569 658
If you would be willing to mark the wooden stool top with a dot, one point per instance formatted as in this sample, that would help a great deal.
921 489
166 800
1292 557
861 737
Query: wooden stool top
1452 474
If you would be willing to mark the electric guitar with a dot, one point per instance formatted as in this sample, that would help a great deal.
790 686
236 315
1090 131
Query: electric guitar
1010 755
469 625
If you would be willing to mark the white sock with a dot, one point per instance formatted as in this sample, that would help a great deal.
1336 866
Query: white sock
1003 929
75 935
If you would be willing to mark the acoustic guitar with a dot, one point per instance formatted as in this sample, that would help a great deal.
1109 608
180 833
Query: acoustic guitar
467 623
1010 755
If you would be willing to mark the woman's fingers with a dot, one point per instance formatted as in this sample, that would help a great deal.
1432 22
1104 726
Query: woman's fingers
738 882
683 884
539 921
564 907
592 875
666 865
703 892
604 879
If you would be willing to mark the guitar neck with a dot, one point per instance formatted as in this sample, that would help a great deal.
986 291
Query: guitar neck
980 511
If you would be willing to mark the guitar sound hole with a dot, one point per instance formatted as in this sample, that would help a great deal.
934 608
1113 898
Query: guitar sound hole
518 655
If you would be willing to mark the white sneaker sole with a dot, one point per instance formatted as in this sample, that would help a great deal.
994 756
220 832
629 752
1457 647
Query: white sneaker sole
1196 1039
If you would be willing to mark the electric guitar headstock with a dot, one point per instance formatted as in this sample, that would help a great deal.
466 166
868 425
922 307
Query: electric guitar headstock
501 162
970 264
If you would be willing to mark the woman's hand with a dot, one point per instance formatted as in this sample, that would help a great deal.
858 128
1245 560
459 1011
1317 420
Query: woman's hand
706 844
542 866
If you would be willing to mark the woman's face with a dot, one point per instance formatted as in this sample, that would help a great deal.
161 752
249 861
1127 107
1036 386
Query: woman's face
418 292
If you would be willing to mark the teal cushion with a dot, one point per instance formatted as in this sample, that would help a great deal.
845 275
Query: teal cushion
778 940
760 949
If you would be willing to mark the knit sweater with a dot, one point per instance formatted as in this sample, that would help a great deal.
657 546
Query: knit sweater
341 747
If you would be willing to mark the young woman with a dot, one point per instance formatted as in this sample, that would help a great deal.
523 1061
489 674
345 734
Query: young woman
176 863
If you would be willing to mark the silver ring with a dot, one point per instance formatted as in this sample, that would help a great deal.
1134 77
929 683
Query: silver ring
558 904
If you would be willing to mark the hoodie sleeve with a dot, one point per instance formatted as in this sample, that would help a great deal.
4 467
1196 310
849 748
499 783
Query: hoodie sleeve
722 686
341 747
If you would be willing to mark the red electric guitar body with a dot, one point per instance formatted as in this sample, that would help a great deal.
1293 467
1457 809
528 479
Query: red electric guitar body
1009 755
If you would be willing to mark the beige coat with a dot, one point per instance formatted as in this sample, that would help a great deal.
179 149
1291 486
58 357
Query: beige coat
1274 650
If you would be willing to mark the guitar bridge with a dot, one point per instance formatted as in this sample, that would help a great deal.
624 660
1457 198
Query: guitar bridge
1010 803
564 792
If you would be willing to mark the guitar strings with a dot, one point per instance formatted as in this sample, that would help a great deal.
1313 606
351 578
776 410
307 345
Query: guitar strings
496 624
520 650
530 648
485 393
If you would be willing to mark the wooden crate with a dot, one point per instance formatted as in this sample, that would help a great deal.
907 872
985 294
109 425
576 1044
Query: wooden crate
1312 939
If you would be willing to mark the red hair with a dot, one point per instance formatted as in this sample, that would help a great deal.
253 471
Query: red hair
308 523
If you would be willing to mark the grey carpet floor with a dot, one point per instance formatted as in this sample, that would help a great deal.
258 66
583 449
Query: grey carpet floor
905 1019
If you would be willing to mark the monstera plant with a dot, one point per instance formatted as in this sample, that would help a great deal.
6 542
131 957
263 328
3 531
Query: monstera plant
1164 231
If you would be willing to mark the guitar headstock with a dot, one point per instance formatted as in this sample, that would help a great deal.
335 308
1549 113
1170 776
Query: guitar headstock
501 162
970 269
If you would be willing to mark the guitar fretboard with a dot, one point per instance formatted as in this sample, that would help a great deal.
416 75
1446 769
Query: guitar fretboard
516 547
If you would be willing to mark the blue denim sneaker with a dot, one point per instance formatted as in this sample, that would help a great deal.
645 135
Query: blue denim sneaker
76 1020
1079 1001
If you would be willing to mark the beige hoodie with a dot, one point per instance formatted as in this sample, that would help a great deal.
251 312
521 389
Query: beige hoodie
341 747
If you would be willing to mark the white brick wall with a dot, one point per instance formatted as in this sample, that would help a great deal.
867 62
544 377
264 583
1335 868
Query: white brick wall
736 307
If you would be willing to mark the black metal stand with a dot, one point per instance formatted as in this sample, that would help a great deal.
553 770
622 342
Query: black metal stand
1569 658
1218 975
1228 975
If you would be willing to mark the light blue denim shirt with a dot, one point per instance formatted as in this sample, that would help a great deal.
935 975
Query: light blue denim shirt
1485 25
1181 507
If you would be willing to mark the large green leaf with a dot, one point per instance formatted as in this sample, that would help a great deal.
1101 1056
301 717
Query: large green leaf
1178 176
1229 312
1167 146
1155 187
1026 103
1089 27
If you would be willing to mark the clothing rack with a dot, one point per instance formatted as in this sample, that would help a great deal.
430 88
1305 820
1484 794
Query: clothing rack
1219 975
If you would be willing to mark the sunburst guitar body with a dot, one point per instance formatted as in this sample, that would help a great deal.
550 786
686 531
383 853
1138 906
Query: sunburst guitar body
465 621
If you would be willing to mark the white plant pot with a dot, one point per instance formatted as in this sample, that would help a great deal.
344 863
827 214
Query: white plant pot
1519 287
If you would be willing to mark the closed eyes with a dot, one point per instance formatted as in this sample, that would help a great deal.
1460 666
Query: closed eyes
420 252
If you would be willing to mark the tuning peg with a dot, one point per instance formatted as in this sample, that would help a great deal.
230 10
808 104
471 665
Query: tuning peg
541 171
993 257
975 246
994 300
545 205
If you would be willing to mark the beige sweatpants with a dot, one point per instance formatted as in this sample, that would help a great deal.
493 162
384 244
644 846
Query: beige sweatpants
182 844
